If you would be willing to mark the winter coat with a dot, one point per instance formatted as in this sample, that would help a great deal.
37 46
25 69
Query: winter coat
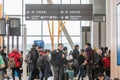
16 55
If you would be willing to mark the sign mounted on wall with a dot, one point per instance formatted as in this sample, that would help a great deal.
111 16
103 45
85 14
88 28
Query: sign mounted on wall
59 12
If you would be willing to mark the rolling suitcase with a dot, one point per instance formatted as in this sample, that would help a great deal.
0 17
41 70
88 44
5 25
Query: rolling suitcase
70 74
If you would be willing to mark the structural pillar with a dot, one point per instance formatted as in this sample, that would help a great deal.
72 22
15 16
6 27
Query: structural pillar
1 17
24 53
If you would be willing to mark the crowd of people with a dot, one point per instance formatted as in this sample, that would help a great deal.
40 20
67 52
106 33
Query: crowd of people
43 64
11 61
89 62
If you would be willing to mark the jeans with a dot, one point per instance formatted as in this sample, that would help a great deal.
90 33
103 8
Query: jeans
81 69
89 71
1 76
18 71
58 73
76 71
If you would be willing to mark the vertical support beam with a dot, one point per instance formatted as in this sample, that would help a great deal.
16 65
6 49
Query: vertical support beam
58 32
24 53
3 41
18 43
99 36
42 25
1 11
12 42
60 29
86 37
7 34
108 33
1 17
52 35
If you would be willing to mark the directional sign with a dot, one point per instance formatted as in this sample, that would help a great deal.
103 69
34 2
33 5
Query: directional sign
59 12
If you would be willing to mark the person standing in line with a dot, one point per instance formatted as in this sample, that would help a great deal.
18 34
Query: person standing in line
89 60
57 60
101 67
106 63
16 56
43 64
33 62
4 56
2 65
75 55
81 59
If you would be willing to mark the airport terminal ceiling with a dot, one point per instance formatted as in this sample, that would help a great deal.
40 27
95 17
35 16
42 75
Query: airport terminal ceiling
38 30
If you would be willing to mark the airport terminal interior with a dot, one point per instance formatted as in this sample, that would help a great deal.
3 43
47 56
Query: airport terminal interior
48 26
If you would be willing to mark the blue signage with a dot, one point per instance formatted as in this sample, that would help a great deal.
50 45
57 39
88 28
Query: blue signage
39 43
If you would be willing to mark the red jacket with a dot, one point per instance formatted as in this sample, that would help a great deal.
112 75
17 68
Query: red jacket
16 55
106 62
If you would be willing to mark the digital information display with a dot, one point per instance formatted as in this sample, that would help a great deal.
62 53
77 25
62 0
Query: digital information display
14 22
59 11
15 29
2 27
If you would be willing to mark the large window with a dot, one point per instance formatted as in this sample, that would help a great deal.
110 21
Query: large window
37 30
13 7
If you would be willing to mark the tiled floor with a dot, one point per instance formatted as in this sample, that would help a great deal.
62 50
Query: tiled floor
51 78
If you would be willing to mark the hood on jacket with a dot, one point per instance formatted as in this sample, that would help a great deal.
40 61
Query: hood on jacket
14 53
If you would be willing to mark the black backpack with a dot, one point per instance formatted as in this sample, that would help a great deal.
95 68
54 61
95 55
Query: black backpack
28 58
41 62
34 55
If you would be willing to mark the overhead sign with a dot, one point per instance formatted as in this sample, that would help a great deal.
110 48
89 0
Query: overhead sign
85 28
59 11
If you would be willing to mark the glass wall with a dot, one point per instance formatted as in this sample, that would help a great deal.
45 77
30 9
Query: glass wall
38 30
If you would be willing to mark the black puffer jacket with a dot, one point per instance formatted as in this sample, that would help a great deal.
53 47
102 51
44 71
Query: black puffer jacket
80 59
75 53
56 58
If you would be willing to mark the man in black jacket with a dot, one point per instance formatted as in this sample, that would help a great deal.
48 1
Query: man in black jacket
75 55
57 58
76 52
33 64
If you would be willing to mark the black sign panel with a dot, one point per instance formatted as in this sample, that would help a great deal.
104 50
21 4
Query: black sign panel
15 29
2 27
85 29
59 12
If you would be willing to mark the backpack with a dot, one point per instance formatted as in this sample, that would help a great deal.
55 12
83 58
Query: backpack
41 62
28 58
34 55
11 63
75 63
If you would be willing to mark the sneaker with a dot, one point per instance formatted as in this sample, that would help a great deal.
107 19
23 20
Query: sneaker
8 78
75 78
